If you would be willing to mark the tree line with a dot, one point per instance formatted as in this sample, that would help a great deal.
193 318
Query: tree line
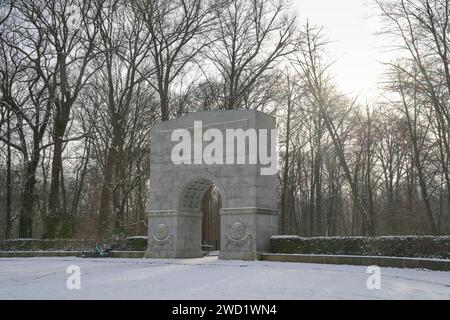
82 83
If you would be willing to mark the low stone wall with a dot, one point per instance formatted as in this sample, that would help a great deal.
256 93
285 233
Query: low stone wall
390 262
396 246
126 244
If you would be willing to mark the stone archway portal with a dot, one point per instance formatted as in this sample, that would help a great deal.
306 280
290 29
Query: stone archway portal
248 216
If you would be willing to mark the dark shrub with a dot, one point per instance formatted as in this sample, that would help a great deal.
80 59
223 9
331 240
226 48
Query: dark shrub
397 246
124 244
136 243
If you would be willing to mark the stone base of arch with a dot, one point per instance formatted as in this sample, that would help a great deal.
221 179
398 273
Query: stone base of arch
245 232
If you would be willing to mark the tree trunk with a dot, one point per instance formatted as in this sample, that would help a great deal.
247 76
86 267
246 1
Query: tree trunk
164 103
28 195
105 213
8 177
54 205
284 197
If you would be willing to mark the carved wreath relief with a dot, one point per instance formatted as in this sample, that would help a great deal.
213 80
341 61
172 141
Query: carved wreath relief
162 232
161 236
237 230
238 235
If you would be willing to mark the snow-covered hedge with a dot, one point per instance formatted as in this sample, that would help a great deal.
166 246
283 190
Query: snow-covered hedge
127 244
45 244
396 246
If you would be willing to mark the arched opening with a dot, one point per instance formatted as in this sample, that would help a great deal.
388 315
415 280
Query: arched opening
204 197
211 204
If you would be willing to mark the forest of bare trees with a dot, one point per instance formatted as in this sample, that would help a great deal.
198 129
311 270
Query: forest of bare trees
82 83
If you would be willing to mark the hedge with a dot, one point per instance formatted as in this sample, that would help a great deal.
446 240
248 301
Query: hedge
136 243
45 244
395 246
127 244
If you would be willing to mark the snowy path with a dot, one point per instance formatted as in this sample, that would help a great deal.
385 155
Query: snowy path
209 278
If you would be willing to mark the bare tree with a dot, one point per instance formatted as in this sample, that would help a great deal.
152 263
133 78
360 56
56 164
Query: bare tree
126 51
314 73
289 100
177 33
6 9
26 97
63 50
250 37
420 29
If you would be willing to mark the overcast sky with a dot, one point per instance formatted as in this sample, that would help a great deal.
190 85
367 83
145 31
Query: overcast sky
351 25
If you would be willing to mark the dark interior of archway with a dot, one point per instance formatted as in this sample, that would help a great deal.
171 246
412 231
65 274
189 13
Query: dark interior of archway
211 204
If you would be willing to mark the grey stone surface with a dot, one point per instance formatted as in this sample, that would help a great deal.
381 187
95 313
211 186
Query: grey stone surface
387 262
248 216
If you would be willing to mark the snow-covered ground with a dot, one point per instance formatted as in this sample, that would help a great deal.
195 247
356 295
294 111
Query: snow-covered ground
209 278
